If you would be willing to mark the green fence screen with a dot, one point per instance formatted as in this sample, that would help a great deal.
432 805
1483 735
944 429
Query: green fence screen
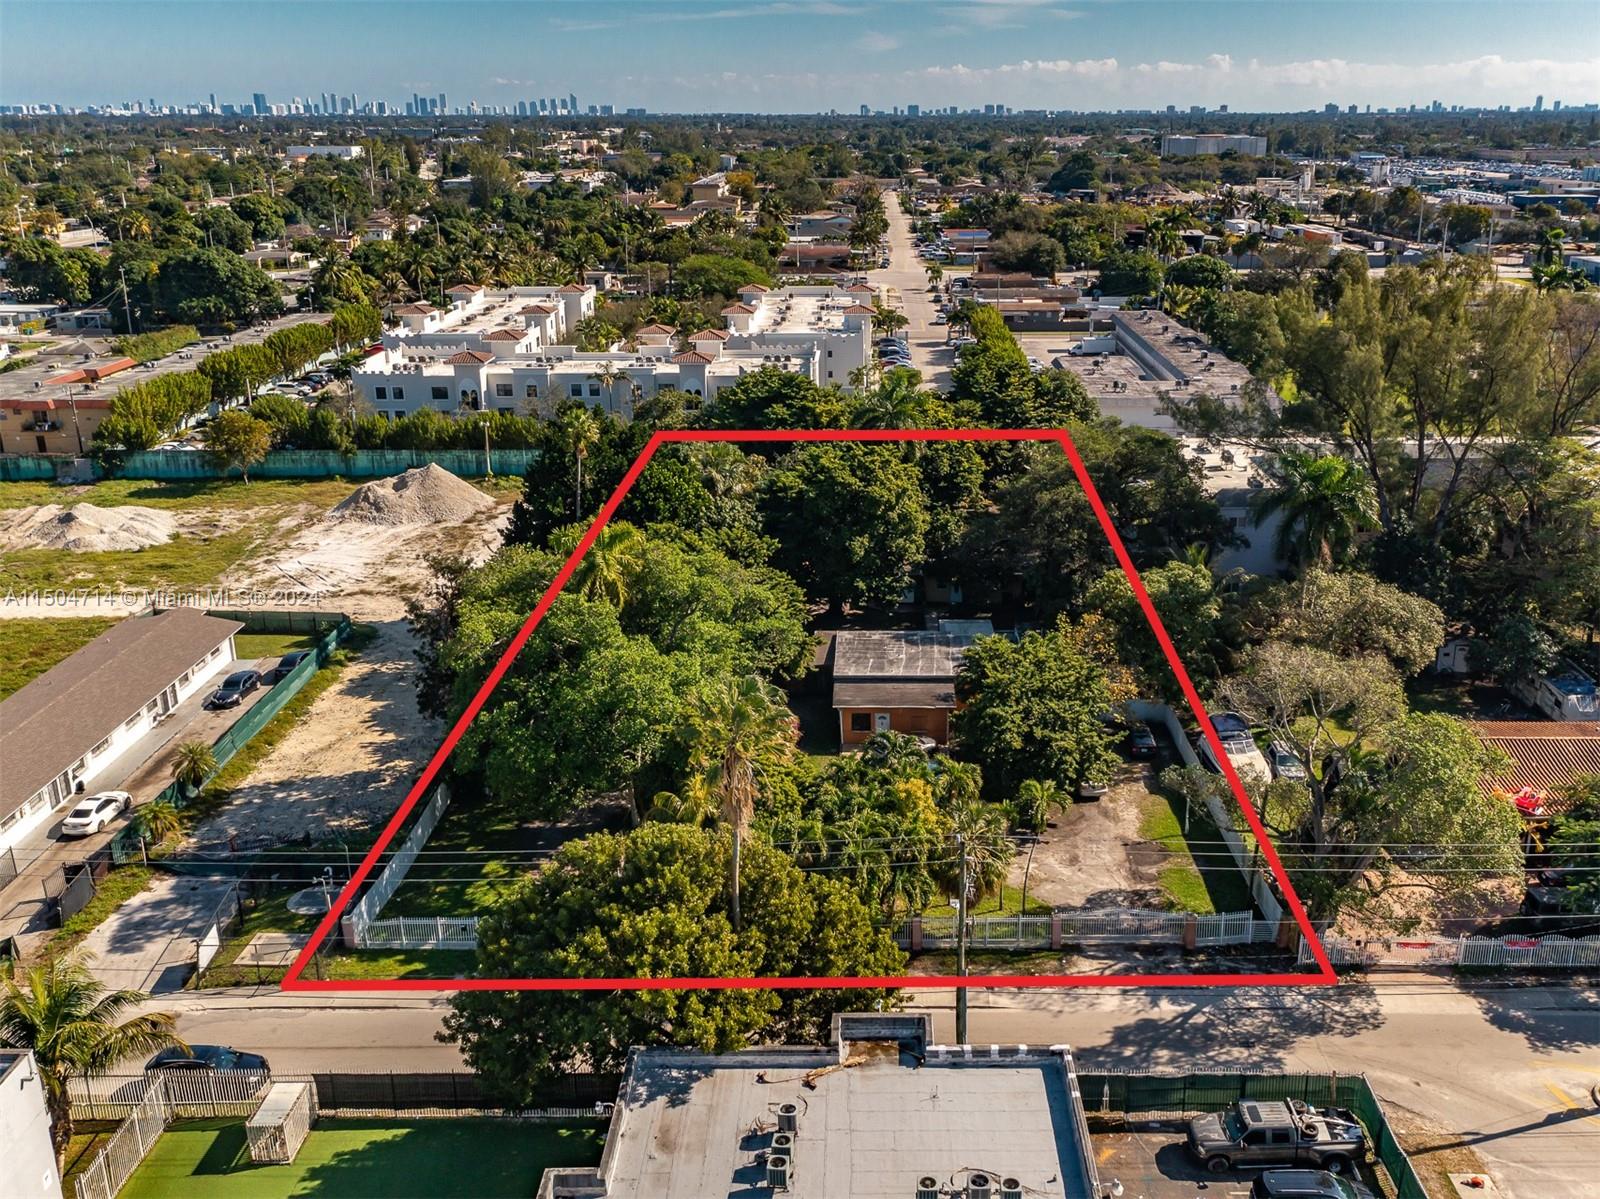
1173 1095
327 464
125 845
21 469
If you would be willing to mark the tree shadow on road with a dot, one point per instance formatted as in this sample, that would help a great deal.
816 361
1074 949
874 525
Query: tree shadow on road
1253 1027
1563 1016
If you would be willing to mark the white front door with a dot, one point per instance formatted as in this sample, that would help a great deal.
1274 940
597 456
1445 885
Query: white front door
880 722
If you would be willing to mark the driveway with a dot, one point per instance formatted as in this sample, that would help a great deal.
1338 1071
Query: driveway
904 285
149 942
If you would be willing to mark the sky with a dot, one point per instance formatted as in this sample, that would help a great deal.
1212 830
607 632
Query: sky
808 55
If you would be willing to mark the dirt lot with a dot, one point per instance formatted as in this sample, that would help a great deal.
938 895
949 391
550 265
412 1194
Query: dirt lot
345 766
1093 856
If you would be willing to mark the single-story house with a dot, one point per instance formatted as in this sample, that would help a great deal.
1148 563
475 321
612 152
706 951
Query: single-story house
897 680
1546 756
879 1114
64 728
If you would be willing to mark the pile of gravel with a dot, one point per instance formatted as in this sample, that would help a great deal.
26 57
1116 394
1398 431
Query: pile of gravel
423 495
85 528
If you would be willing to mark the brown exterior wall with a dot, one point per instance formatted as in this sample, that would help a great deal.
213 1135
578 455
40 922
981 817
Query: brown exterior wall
928 722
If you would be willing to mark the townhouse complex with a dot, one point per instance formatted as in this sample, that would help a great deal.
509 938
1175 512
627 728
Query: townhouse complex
507 350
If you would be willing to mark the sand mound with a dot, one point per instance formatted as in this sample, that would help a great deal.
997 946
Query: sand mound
423 495
85 528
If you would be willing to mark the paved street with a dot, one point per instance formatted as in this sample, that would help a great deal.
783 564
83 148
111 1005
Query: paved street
906 278
1508 1068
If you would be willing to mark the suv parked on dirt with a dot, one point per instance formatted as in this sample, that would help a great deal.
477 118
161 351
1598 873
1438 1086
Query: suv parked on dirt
1260 1132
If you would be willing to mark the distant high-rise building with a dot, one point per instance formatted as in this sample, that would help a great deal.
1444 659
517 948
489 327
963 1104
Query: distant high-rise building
1172 108
1222 108
260 102
572 102
1351 110
913 110
607 110
1330 108
1555 106
1538 104
443 107
213 104
544 105
865 111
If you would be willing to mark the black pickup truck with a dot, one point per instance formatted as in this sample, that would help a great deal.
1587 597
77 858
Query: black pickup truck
1262 1133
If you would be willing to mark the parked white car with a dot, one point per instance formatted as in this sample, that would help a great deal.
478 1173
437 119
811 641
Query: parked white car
95 812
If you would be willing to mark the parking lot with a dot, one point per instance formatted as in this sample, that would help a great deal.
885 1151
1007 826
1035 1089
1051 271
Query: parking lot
1151 1161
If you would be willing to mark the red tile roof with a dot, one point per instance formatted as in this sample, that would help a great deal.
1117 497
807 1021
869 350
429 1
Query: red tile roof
463 288
861 310
861 287
667 329
752 287
736 308
537 310
569 288
506 335
413 309
709 335
469 358
1546 755
693 356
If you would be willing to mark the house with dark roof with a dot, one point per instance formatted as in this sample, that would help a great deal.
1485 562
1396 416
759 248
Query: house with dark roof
62 730
898 680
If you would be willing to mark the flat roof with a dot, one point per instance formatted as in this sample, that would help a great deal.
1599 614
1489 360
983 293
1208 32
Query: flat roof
690 1126
58 717
893 655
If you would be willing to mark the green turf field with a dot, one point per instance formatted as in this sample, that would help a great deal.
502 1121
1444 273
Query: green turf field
366 1159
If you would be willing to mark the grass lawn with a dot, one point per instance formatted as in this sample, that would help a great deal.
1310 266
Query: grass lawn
270 645
88 1138
367 1159
1199 877
34 645
395 963
211 493
181 562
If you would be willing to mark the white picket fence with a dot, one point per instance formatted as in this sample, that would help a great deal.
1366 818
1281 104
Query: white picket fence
1126 926
1510 953
198 1094
421 932
146 1120
359 919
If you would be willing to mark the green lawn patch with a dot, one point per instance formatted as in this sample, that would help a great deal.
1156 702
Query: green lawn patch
34 645
1200 876
88 1138
179 495
367 1159
395 963
181 562
249 646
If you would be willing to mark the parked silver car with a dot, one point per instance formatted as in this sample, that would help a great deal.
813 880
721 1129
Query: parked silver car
1260 1132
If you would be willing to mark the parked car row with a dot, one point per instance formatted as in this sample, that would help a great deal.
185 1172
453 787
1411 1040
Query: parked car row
242 682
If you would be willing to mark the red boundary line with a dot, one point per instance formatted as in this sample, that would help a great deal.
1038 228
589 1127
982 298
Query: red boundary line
294 980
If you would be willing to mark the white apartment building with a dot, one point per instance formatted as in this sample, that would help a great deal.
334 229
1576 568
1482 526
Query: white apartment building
1186 145
30 1158
301 153
499 350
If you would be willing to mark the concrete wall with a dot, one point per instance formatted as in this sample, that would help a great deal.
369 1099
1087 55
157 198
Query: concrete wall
27 1160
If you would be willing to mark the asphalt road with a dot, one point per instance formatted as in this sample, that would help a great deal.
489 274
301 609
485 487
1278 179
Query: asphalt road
906 279
1507 1068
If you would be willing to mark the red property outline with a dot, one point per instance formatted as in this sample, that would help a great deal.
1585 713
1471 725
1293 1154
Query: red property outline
294 980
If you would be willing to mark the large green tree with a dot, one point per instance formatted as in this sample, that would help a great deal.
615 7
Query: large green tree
654 904
850 521
1031 709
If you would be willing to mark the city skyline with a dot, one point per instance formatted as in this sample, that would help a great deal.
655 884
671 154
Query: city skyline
667 56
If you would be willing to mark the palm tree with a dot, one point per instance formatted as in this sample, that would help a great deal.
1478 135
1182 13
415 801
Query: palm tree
1547 248
895 403
608 376
979 832
578 432
1324 501
1162 233
71 1023
1036 800
609 567
1556 277
736 726
193 765
156 822
935 274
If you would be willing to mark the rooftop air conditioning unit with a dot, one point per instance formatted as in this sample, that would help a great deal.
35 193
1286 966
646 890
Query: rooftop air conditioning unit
778 1172
788 1117
980 1186
783 1144
927 1187
1010 1188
